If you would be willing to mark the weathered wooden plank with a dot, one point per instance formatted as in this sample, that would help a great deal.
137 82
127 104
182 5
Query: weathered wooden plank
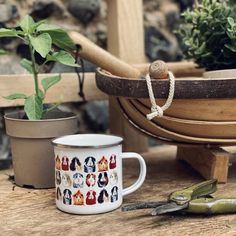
65 91
185 88
126 41
210 163
33 212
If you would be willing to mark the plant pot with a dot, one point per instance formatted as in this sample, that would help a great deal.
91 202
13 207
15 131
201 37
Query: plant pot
219 74
32 151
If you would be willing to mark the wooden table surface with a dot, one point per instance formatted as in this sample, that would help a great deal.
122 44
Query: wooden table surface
33 212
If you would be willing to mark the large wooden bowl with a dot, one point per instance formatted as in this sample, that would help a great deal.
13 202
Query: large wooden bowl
196 100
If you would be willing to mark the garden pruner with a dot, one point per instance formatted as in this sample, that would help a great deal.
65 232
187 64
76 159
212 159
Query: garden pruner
194 199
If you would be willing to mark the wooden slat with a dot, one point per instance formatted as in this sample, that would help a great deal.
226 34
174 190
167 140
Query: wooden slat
65 91
210 163
126 41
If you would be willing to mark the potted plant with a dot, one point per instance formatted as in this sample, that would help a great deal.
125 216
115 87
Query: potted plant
31 131
209 34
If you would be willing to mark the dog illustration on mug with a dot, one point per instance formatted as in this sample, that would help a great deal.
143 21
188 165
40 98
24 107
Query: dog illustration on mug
112 164
114 194
67 200
102 164
57 163
78 180
113 177
78 198
65 163
58 177
91 198
102 179
65 180
90 180
58 194
90 165
75 164
103 196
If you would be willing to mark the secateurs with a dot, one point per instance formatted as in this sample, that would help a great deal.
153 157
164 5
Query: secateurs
194 199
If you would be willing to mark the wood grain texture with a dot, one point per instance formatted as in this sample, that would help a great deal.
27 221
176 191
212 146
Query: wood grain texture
210 163
33 212
126 41
195 128
185 88
140 122
65 91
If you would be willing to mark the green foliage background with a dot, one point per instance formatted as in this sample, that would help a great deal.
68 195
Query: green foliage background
209 32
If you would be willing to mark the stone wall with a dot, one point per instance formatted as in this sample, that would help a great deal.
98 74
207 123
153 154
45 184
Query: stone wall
161 18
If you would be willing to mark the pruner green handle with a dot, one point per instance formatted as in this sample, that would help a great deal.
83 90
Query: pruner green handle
202 189
212 206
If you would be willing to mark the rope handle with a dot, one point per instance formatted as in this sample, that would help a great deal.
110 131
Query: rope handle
158 111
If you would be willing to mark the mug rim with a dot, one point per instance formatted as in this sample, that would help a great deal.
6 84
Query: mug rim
111 144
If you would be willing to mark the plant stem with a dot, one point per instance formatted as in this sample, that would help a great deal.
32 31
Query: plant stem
35 72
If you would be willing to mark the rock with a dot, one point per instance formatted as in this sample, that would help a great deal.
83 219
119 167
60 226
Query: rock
8 11
24 52
42 9
184 4
160 44
96 116
11 65
84 10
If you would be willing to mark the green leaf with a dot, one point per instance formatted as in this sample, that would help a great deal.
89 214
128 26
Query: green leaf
231 21
27 65
3 52
41 94
48 27
50 81
42 44
230 47
27 24
51 108
8 32
61 39
63 57
34 107
16 96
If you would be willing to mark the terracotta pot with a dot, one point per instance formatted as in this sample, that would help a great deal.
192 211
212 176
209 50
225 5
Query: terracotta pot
32 151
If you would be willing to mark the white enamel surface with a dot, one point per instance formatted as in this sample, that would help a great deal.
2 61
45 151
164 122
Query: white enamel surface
82 154
88 140
68 181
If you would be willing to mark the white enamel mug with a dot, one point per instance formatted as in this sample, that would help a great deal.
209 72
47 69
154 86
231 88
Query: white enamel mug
88 173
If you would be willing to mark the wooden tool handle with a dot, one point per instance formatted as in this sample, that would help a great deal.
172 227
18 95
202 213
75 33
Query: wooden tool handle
91 52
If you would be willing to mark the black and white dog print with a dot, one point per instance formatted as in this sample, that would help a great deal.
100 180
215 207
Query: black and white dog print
102 179
114 194
58 177
75 164
58 194
90 165
103 196
67 200
78 180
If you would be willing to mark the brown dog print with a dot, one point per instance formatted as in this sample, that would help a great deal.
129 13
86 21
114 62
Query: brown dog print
102 164
78 198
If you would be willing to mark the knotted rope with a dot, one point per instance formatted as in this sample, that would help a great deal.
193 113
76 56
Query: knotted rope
157 111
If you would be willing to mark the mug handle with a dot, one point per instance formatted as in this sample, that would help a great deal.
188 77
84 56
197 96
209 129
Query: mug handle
142 174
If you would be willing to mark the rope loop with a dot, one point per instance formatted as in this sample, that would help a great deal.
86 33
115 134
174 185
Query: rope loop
157 111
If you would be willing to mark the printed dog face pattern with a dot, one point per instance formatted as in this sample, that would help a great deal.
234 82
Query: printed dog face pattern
78 183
